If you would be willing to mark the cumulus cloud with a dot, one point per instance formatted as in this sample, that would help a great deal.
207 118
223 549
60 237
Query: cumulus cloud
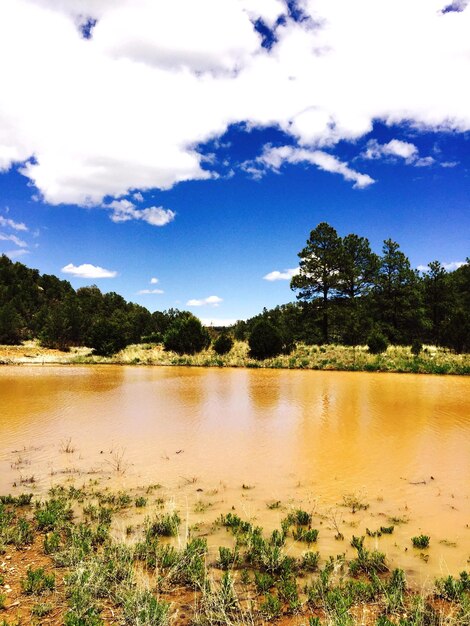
86 270
8 223
123 111
153 281
211 301
274 158
397 149
143 292
125 210
284 275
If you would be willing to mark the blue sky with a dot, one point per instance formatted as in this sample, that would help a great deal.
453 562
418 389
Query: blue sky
204 159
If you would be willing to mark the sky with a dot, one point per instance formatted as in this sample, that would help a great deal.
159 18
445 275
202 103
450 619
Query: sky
179 153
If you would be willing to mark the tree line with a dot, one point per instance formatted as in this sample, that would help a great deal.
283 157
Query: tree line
346 294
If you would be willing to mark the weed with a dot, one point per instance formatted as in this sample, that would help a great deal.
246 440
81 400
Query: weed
299 517
165 525
354 502
274 505
141 608
310 561
41 609
37 581
263 582
309 536
23 499
451 588
228 558
421 541
53 514
140 502
271 607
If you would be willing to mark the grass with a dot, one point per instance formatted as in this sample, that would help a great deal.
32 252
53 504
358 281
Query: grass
78 574
431 360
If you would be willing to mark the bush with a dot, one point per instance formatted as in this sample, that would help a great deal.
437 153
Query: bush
265 341
223 344
186 336
377 342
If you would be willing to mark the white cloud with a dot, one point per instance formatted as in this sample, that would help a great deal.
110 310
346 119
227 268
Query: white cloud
12 224
153 281
86 270
453 265
218 321
149 291
124 210
14 239
211 300
395 148
13 254
157 78
450 267
285 275
274 158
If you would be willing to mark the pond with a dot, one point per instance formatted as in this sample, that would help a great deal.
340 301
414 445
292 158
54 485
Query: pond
359 450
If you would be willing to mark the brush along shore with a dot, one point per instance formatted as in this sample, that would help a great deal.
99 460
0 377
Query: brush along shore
431 360
62 563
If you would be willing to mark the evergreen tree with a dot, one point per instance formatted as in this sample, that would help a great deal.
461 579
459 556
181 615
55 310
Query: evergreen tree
319 275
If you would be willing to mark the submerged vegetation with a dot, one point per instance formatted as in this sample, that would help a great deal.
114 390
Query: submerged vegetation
73 568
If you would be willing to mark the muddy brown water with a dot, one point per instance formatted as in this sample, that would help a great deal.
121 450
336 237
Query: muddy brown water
216 439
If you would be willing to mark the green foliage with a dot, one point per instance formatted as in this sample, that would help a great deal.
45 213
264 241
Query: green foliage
223 344
421 541
37 581
53 514
186 336
265 341
451 588
141 608
228 558
164 525
377 342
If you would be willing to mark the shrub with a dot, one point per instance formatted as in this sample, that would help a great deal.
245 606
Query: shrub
223 344
186 336
265 341
377 342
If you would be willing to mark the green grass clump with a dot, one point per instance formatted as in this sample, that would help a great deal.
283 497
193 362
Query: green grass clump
451 588
140 502
302 534
37 581
165 525
421 541
41 609
228 558
24 499
53 514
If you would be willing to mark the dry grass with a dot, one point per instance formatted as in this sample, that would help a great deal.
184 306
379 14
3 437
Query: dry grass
432 360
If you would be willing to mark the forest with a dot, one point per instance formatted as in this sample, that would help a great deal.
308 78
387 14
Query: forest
345 293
